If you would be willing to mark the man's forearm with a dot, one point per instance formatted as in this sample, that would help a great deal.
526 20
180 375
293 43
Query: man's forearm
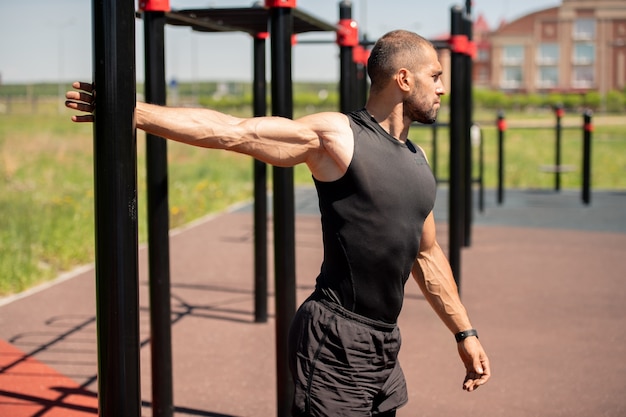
434 276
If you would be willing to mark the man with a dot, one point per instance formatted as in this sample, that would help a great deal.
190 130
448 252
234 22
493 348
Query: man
376 194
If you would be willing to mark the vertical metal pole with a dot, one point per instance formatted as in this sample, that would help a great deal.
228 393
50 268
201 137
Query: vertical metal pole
468 204
557 163
501 124
158 223
457 149
259 94
361 82
481 150
115 178
586 181
476 134
346 90
281 30
435 127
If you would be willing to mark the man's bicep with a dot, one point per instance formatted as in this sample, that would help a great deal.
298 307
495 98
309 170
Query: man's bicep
429 234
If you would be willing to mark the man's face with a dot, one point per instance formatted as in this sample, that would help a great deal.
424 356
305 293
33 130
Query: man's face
424 101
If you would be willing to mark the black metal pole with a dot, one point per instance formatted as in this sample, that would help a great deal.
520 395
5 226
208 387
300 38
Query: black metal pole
477 135
115 178
281 30
435 127
586 181
346 83
259 98
158 223
557 154
468 203
457 149
501 125
361 79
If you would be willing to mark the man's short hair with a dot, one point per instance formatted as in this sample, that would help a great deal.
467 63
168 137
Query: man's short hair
395 50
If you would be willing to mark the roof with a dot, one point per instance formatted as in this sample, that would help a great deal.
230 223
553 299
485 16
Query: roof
252 20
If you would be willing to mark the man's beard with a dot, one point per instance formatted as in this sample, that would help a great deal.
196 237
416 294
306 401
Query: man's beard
417 113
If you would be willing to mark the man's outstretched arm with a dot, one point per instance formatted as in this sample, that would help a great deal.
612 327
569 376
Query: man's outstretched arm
434 276
322 140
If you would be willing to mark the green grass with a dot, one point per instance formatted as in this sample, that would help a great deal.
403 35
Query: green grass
46 181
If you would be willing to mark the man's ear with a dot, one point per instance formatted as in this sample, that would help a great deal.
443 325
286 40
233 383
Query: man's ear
403 79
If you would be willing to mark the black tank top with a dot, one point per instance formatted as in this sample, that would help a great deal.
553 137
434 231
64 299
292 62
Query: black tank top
372 221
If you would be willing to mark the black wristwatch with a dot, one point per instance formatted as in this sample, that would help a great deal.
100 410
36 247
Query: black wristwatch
460 336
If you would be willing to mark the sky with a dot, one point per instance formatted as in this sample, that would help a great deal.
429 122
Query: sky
50 40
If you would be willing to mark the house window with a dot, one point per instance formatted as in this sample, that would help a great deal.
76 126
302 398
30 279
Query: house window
483 55
583 73
583 77
548 54
512 77
548 77
512 60
513 54
548 65
584 29
584 53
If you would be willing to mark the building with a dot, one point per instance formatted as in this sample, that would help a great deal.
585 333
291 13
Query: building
579 46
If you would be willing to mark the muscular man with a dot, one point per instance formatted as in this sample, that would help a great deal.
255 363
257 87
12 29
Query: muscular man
376 194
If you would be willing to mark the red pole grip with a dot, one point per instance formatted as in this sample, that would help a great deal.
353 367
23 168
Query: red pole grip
154 5
347 33
360 55
281 3
459 44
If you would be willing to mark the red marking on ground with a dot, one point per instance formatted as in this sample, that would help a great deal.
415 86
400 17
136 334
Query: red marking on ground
30 388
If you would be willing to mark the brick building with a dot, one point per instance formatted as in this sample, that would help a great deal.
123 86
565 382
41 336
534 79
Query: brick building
578 46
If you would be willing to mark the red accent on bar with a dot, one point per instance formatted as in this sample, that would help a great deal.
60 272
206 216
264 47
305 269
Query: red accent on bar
154 5
560 112
347 33
501 125
472 49
262 35
459 44
588 127
281 3
294 40
360 55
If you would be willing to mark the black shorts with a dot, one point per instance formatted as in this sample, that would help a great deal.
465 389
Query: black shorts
343 364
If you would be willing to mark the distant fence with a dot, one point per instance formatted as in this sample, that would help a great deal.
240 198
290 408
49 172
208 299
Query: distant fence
33 104
558 167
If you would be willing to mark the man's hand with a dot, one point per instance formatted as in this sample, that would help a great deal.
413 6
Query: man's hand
476 363
82 99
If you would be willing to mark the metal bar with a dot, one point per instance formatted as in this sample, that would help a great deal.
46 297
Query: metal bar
435 165
346 92
158 223
557 153
586 181
281 28
205 23
468 204
481 175
115 178
501 124
259 94
457 149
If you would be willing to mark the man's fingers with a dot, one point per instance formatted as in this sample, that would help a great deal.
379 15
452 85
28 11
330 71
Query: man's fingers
83 118
83 86
76 105
78 96
473 381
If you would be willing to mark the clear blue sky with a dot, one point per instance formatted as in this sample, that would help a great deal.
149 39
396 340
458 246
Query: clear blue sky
50 40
